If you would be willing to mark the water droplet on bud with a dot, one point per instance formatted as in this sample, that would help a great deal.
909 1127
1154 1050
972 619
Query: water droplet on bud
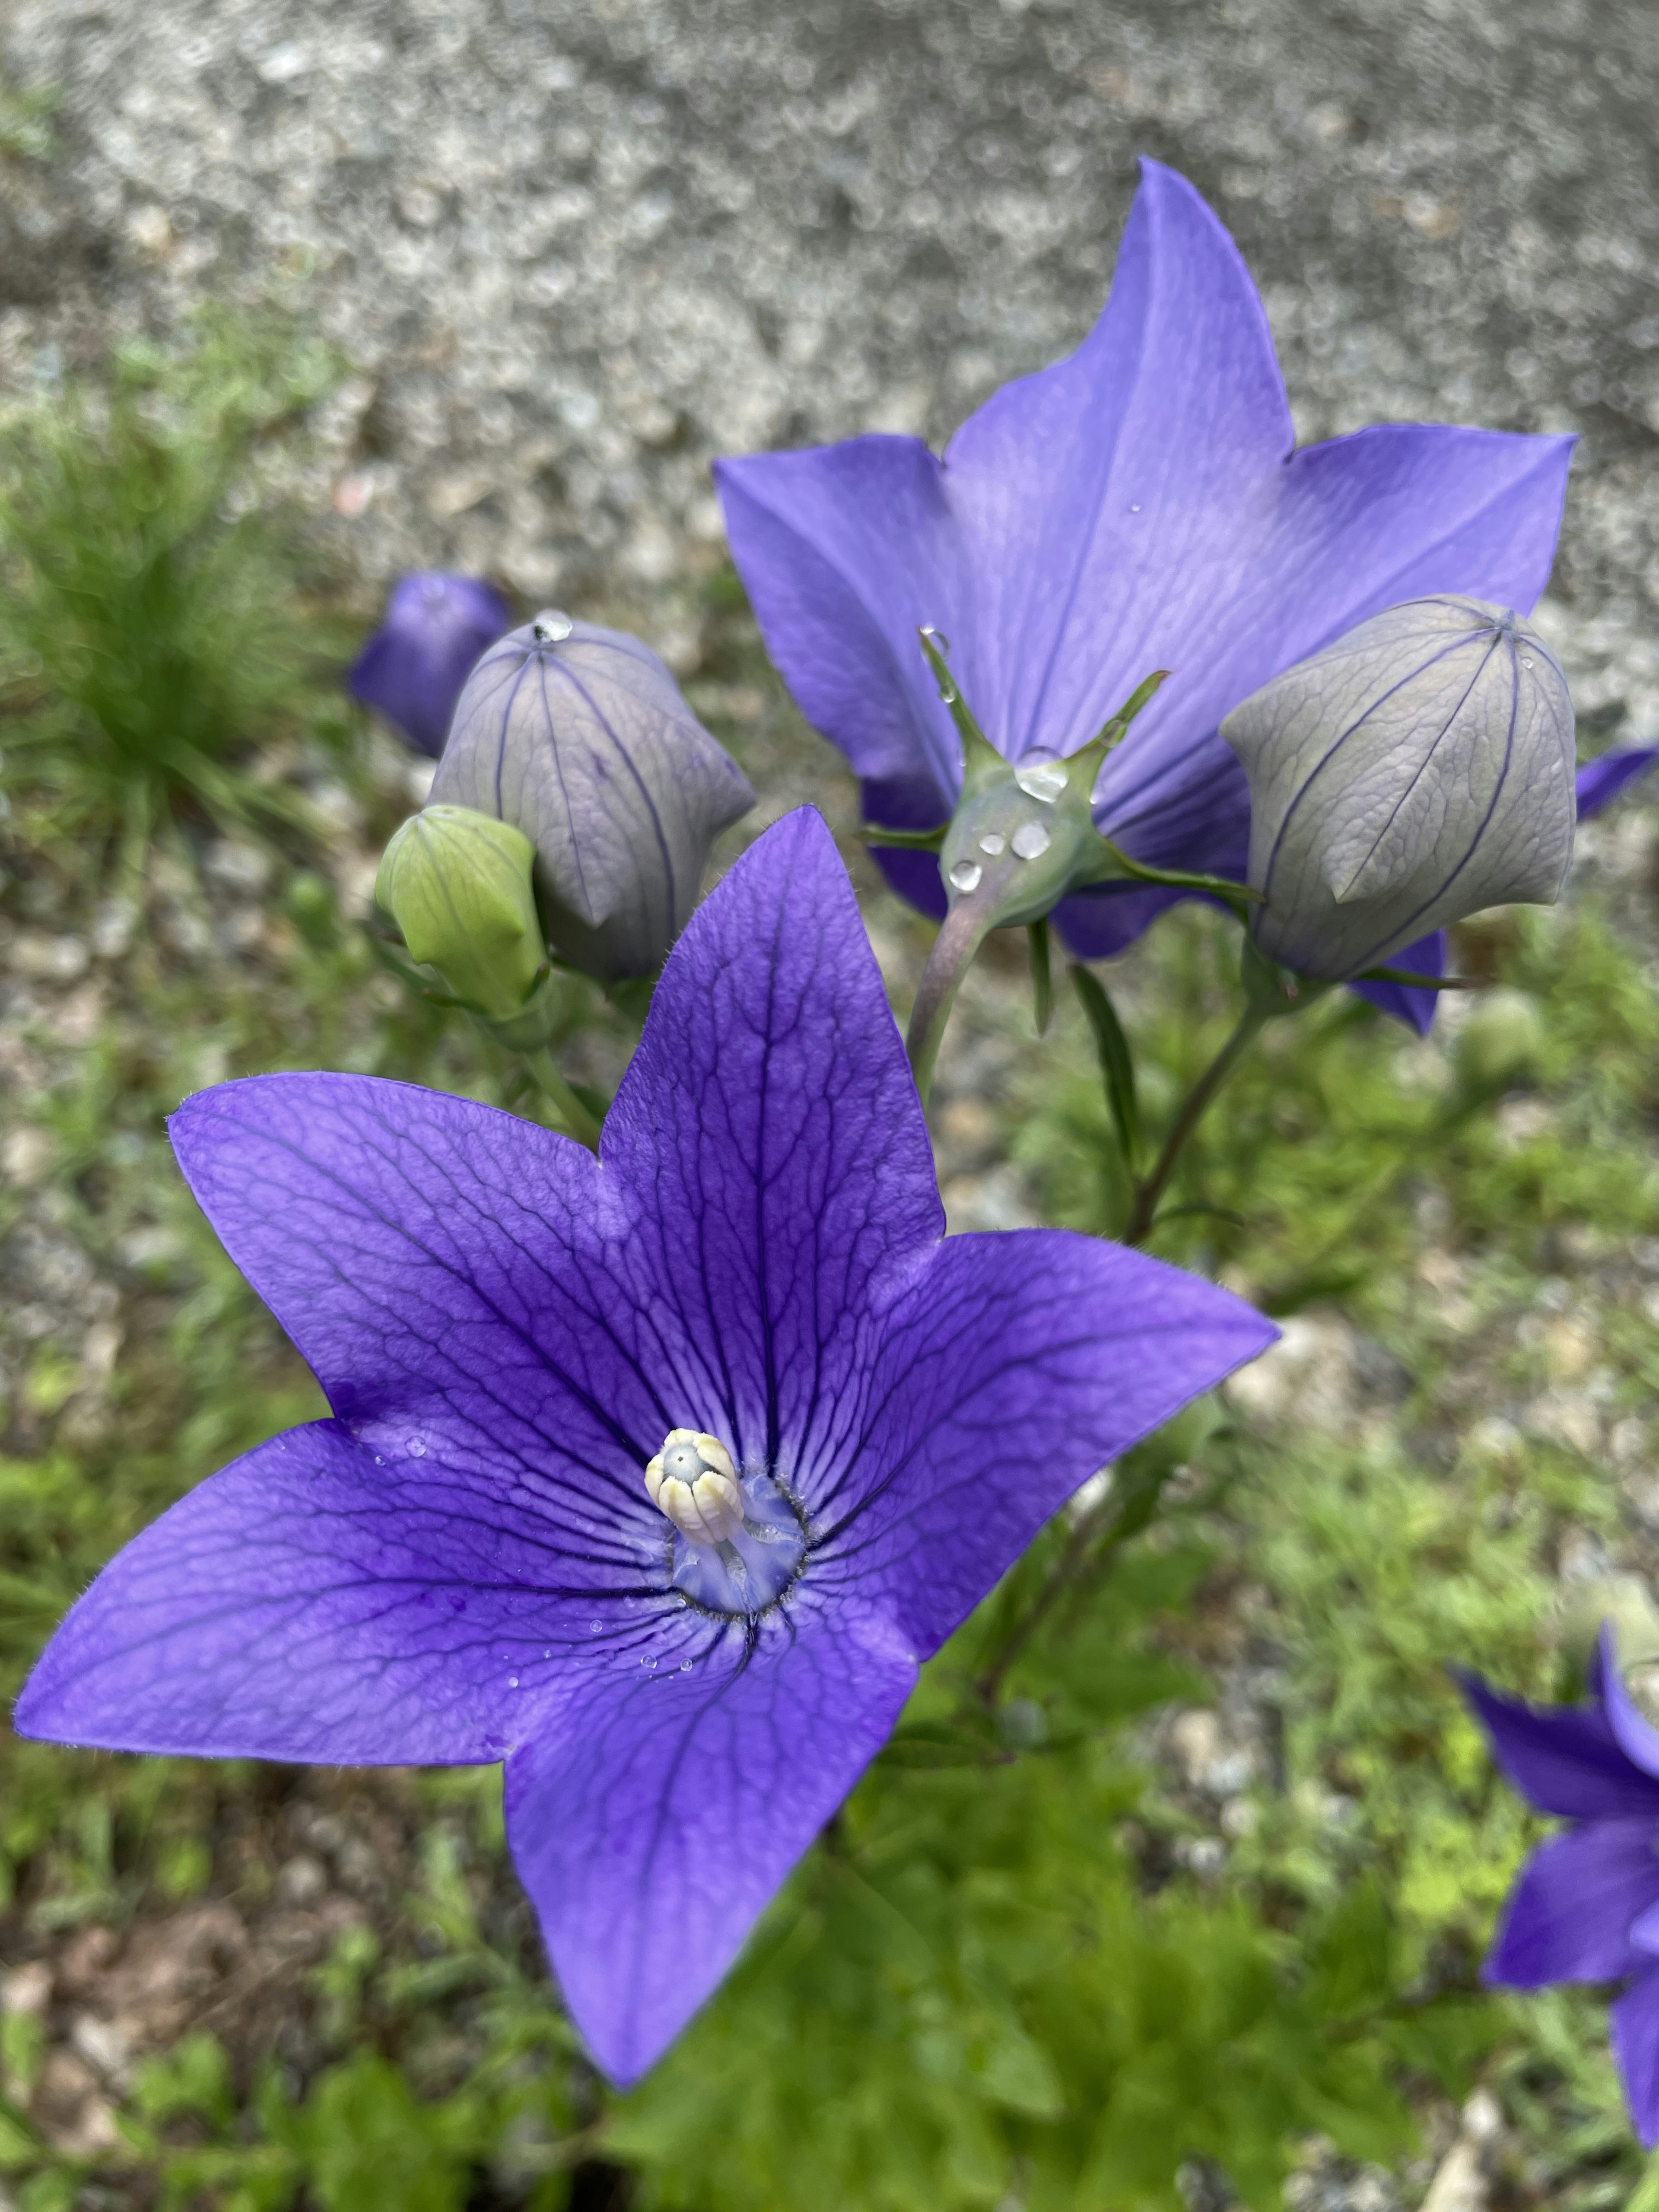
1135 507
965 876
1044 781
993 843
1031 840
550 627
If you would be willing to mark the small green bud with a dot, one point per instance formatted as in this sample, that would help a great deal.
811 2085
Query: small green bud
457 885
1500 1040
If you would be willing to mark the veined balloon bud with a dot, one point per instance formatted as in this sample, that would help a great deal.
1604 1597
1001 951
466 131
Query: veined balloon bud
579 737
414 666
1416 771
457 885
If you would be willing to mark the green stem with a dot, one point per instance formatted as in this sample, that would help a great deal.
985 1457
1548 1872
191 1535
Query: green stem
959 940
578 1122
1144 1212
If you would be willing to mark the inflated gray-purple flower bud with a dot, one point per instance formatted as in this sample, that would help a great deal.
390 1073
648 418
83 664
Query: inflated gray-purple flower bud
1416 771
579 737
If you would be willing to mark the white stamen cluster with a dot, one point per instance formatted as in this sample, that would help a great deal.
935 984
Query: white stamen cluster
693 1481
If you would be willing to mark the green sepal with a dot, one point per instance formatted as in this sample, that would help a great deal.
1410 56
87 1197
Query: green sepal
909 841
1421 982
1042 988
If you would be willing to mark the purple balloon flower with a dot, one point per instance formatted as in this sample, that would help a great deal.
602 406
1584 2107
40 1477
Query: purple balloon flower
1139 506
414 667
1600 782
1586 1906
656 1475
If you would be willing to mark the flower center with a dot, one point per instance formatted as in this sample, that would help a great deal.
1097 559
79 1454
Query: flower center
737 1543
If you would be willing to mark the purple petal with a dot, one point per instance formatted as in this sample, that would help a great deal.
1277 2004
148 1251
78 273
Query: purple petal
315 1601
1013 1367
1132 507
1569 1915
660 1808
414 666
1601 780
769 1132
1416 1008
908 803
1635 2023
845 551
1565 1758
1635 1736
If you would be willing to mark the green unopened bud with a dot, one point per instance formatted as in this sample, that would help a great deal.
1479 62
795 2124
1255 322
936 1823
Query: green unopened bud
457 885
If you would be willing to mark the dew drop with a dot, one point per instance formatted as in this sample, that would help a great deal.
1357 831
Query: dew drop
685 1666
1135 507
594 1626
1044 783
965 876
548 1654
378 1461
948 694
417 1448
1525 663
512 1681
550 627
1031 840
993 843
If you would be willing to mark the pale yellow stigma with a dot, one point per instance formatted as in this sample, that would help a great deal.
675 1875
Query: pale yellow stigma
694 1482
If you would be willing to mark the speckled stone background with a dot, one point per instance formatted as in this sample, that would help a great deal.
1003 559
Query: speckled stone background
574 248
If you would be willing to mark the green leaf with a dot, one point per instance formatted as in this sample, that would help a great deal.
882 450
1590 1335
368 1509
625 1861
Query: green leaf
1117 1066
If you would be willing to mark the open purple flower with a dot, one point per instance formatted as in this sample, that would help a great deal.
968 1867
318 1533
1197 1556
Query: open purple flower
1586 1905
655 1475
1139 506
414 667
1601 780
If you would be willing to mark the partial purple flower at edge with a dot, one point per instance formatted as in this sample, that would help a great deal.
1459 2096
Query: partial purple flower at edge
462 1564
1585 1907
414 667
1138 505
1601 780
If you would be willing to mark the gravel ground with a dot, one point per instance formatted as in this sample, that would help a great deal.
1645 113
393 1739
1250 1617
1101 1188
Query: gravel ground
574 250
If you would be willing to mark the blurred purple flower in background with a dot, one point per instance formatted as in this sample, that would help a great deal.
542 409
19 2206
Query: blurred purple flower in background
1138 505
1602 779
1586 1905
850 1428
414 667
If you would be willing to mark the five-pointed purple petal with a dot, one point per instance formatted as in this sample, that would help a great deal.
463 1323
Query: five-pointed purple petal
463 1563
1138 505
1585 1907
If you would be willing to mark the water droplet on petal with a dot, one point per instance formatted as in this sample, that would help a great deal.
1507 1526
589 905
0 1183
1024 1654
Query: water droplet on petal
378 1461
1135 507
594 1626
1031 840
1044 781
548 1654
685 1666
417 1448
993 843
550 627
512 1681
1525 663
965 876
